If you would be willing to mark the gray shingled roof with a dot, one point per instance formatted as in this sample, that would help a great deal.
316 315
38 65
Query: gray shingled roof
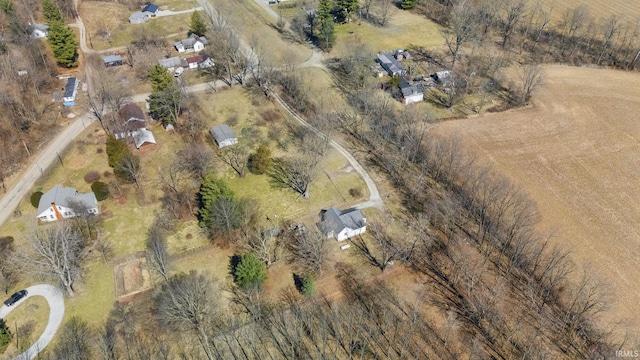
61 195
143 136
222 132
112 58
336 220
170 62
390 64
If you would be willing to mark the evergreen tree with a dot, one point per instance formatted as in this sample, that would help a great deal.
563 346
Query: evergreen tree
347 8
250 272
63 44
198 26
5 336
324 10
8 8
327 35
261 161
160 78
166 104
116 149
211 190
51 12
407 4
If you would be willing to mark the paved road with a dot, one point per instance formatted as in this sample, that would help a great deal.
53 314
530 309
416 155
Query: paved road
10 201
55 299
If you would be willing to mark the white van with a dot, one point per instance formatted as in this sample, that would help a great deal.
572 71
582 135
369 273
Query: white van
178 71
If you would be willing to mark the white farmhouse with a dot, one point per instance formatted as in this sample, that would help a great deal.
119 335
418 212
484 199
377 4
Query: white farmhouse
342 225
192 43
59 203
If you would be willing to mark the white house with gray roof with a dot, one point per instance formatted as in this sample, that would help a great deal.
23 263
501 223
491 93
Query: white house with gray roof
59 203
192 43
342 224
223 135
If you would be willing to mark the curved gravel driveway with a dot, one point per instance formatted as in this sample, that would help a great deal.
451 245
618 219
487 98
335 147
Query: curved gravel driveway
55 299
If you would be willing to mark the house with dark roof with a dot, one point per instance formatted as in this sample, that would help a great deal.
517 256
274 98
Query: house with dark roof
192 43
194 61
411 93
150 8
112 60
134 125
342 224
61 203
39 31
223 135
391 65
70 92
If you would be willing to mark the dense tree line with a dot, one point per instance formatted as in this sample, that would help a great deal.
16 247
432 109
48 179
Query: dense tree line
534 31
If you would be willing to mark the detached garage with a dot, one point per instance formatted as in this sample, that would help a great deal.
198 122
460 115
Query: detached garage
223 135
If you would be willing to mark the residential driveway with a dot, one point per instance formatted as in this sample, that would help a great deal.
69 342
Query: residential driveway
169 12
55 299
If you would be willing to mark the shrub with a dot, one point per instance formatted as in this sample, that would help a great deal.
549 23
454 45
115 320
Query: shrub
271 115
261 162
308 286
99 150
250 272
35 198
5 336
101 190
92 176
355 193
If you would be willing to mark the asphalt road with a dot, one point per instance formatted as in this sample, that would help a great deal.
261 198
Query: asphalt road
10 201
55 299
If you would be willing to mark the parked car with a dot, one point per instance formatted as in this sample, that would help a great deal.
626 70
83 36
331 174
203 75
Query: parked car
178 71
15 297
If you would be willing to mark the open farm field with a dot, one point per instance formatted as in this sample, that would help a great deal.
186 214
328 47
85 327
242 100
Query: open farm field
599 8
576 152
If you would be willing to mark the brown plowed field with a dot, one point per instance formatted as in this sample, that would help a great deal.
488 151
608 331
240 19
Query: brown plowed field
577 152
627 9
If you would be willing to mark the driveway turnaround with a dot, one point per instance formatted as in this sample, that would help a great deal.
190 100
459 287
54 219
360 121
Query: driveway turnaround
55 299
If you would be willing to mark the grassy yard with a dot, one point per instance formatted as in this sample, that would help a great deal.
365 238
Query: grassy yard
403 31
117 25
253 25
30 319
243 112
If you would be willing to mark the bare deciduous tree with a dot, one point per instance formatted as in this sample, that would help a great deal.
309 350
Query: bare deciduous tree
195 159
511 13
463 27
74 341
530 77
188 302
308 247
235 156
158 256
54 253
296 173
